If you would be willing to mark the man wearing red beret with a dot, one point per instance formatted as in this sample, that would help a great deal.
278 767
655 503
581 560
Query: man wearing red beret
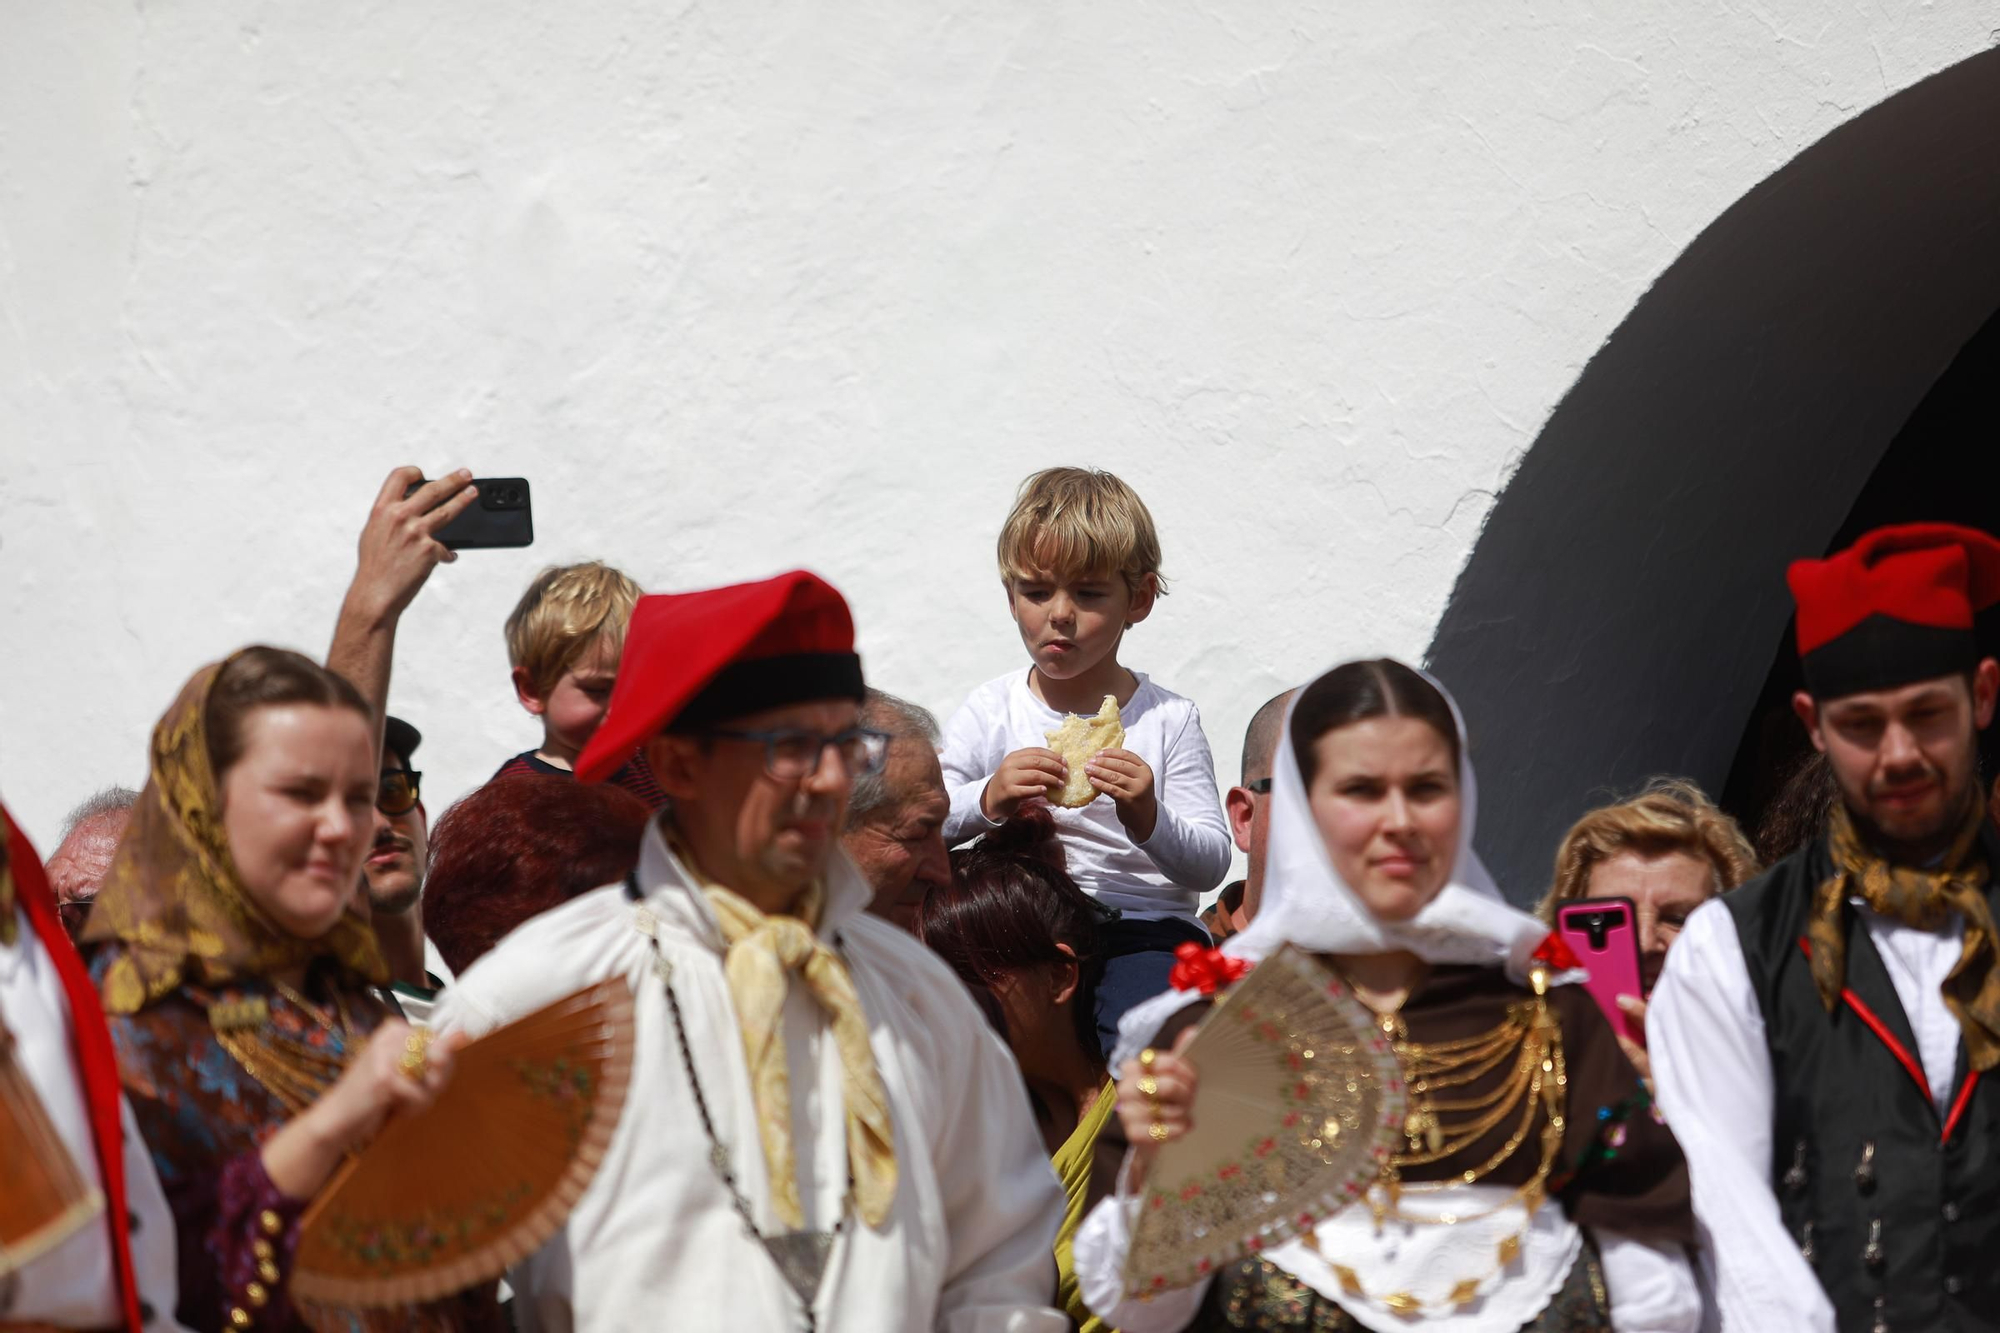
1823 1037
821 1131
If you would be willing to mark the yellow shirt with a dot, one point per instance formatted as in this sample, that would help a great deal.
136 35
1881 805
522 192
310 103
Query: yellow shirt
1072 1163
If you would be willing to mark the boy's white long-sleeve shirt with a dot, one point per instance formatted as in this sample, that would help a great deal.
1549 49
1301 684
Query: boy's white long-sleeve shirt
1165 876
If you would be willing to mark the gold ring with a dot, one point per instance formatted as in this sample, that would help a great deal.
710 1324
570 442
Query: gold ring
1147 1056
416 1054
1157 1131
1149 1087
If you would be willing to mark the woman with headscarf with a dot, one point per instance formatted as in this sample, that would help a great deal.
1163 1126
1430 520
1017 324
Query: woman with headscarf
1508 1204
236 970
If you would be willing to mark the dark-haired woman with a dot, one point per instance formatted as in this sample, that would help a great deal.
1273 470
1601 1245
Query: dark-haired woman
1491 1216
236 973
1014 924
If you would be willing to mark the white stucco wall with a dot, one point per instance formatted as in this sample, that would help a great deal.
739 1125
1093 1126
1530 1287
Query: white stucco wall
760 284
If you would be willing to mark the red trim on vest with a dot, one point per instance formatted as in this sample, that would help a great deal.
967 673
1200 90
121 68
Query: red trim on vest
1903 1056
1958 1107
96 1061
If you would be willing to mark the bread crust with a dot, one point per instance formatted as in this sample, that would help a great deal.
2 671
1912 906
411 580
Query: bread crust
1078 740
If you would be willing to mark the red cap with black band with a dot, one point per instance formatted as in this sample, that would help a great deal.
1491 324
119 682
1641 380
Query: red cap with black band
696 659
1895 608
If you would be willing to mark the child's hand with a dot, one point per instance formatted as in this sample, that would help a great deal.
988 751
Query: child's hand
1031 772
1128 781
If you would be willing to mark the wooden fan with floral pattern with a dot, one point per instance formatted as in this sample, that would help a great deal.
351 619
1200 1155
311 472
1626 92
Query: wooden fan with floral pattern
1299 1106
449 1198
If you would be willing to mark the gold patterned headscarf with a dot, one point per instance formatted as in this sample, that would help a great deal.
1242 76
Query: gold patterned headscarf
172 907
1924 898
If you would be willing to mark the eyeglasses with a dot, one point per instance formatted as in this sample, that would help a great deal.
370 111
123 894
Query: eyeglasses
1262 786
399 791
791 754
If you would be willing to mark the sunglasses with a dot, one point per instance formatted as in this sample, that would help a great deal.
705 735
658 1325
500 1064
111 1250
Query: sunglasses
1262 786
399 791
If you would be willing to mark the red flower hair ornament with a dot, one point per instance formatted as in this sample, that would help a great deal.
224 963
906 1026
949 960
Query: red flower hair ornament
1204 968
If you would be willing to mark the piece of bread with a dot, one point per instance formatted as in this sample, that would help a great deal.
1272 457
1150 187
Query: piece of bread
1077 740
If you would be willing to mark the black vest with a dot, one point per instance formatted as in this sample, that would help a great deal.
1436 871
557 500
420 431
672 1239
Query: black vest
1900 1222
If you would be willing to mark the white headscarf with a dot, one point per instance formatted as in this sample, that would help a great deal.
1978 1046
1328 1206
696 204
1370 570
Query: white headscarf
1306 902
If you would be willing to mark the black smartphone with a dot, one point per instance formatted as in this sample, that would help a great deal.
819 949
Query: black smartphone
503 515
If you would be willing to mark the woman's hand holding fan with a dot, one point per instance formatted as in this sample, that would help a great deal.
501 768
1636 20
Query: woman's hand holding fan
1156 1102
1292 1116
448 1196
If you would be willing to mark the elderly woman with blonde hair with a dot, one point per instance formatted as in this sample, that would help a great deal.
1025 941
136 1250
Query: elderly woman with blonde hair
1669 849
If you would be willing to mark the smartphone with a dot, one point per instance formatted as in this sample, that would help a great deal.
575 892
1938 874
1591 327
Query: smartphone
1604 935
503 515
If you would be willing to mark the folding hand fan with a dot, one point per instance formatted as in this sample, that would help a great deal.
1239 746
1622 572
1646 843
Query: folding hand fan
1299 1105
44 1199
451 1197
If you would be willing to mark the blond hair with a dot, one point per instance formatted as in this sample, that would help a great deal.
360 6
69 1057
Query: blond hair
1670 815
564 612
1070 521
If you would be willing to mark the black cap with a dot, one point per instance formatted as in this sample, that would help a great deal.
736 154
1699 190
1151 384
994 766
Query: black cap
402 739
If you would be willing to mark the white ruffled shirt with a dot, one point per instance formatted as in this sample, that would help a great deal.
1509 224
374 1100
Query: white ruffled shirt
655 1242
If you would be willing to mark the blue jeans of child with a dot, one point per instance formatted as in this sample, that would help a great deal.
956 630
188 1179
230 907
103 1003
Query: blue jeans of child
1138 956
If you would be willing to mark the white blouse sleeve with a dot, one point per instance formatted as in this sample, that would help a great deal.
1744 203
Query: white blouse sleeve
1652 1287
1099 1256
1712 1070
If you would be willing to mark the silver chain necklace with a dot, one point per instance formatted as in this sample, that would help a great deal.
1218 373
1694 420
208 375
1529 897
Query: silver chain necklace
799 1256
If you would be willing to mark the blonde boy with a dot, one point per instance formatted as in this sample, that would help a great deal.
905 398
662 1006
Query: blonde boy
1080 561
563 641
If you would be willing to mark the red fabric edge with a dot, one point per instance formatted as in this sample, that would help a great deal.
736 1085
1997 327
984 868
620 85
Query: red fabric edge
96 1061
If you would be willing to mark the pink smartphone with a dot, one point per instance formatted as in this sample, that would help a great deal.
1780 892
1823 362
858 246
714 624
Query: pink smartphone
1603 935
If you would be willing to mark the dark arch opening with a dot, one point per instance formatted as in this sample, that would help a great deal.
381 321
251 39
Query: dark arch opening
1619 615
1944 464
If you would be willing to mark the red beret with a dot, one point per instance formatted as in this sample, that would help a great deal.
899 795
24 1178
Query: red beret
697 658
1894 608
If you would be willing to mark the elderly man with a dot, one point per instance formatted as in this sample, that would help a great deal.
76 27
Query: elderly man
1249 808
90 836
821 1130
895 823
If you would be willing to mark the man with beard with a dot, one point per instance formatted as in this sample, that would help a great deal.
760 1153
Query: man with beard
1821 1035
895 823
820 1132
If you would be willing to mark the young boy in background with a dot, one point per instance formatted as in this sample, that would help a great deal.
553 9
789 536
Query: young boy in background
1080 561
563 641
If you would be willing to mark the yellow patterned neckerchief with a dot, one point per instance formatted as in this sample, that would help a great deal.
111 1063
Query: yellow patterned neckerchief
761 951
1924 899
172 909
